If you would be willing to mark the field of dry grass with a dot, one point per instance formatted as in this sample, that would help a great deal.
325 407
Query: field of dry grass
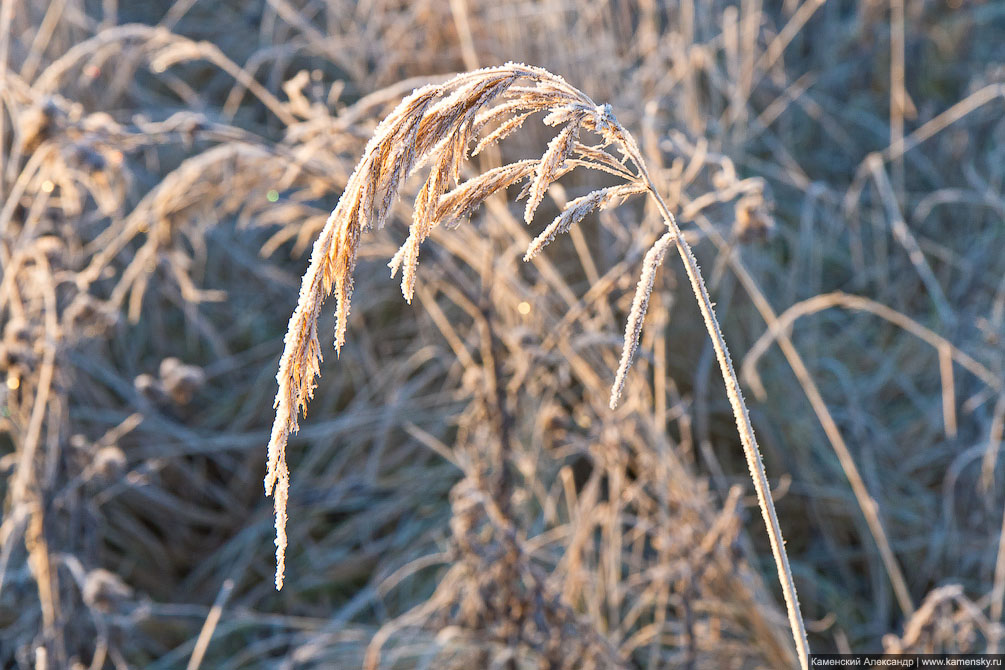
461 493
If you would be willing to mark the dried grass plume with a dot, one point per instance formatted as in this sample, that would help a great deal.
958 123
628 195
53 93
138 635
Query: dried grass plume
435 127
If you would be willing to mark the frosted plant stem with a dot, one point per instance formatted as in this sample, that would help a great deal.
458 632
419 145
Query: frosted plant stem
434 126
746 430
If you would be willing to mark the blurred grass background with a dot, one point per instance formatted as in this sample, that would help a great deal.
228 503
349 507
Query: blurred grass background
164 166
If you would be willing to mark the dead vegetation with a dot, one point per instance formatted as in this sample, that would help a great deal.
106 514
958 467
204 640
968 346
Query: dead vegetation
462 494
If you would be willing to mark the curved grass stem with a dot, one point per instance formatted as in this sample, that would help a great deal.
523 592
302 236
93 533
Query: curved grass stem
744 427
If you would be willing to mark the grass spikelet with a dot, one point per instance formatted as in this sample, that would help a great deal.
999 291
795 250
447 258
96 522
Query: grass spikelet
463 200
571 113
601 160
576 210
640 304
501 132
558 150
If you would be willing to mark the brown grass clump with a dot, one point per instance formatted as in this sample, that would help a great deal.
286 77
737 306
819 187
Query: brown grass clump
436 125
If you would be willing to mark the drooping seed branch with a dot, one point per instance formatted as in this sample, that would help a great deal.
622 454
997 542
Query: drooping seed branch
434 127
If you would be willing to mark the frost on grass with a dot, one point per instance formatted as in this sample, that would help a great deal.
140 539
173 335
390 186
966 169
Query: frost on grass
640 303
434 128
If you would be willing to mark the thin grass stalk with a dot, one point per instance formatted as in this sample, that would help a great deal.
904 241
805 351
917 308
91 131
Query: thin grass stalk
750 449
